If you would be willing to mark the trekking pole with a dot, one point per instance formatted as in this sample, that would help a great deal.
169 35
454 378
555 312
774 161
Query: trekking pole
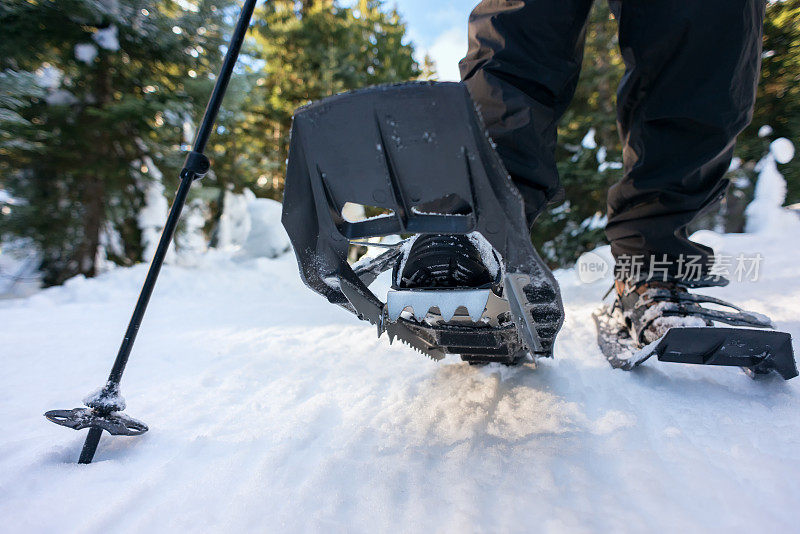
104 407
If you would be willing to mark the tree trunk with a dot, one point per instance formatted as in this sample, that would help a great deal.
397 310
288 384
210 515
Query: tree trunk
94 217
94 193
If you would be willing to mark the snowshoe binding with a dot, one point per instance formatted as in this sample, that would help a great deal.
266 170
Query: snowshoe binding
666 320
416 156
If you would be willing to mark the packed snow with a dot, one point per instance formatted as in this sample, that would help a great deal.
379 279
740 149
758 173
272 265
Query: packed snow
272 410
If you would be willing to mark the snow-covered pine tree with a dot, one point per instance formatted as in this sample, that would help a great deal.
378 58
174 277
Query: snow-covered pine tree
112 73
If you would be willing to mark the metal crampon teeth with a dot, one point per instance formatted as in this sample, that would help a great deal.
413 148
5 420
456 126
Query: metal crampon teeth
447 301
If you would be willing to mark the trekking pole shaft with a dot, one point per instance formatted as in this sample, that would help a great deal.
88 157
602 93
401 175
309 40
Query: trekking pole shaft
90 445
204 131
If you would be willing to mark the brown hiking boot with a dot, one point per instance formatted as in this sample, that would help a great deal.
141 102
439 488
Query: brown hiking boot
649 309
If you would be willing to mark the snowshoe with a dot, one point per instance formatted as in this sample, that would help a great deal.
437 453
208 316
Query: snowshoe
467 281
666 320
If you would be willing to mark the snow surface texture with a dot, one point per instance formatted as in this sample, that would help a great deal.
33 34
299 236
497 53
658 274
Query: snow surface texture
272 410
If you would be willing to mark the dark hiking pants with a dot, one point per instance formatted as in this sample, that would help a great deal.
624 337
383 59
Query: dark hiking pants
689 88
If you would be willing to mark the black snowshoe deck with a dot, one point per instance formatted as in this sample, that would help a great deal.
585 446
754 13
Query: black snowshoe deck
402 148
757 351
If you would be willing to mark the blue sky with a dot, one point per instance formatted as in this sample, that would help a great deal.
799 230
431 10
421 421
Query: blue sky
439 28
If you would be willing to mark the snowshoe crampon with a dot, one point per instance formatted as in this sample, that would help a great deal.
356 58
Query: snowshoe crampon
750 342
418 155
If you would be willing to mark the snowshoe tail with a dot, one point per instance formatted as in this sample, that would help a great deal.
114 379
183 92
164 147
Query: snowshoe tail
398 150
758 351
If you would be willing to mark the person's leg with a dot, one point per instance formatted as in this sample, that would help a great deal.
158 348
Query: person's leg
688 90
521 69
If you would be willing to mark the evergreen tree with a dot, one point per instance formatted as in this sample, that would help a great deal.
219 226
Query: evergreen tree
17 88
314 49
117 78
778 97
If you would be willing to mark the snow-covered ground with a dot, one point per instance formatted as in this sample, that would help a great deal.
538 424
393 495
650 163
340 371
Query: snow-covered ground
271 410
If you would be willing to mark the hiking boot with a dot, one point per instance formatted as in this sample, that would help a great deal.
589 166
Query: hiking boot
443 261
649 309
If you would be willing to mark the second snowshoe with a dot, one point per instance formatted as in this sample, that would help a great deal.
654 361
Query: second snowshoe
675 325
466 279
